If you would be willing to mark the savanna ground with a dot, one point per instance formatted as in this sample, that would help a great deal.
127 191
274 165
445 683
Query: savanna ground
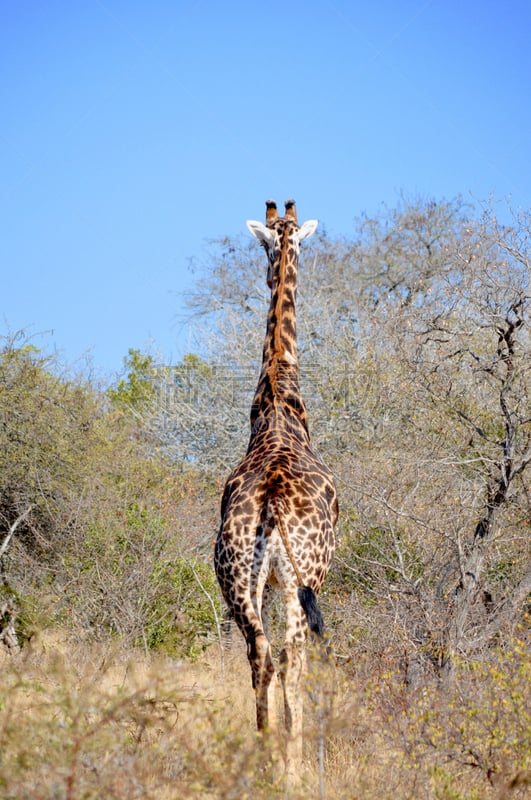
118 678
93 722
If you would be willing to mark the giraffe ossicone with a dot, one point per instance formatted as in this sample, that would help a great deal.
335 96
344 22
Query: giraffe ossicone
279 505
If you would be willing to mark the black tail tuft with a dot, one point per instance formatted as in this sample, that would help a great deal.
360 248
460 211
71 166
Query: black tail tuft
308 601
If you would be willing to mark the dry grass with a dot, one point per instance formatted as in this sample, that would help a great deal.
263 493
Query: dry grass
95 723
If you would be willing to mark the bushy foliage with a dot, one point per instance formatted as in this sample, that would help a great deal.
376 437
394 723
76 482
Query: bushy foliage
137 390
186 607
88 513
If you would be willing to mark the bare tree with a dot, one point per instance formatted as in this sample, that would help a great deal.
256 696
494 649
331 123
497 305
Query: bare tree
442 499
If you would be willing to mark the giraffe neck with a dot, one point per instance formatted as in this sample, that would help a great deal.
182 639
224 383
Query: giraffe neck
278 386
280 342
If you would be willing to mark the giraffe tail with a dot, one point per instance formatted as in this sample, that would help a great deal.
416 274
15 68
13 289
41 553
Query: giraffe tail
308 601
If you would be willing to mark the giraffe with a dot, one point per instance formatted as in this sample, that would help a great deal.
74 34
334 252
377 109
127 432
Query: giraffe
279 505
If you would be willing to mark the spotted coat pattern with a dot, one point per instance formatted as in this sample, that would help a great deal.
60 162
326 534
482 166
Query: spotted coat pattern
279 506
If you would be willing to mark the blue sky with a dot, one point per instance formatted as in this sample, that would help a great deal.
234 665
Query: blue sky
133 132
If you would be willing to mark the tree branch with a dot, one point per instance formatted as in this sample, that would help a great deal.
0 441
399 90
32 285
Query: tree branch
13 529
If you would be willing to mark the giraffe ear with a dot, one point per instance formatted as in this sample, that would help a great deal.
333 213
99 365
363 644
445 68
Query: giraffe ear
307 229
259 230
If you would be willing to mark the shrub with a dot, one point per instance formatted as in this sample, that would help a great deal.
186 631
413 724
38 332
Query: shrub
185 609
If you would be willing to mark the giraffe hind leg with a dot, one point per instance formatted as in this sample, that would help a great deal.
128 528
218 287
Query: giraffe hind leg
248 619
263 670
271 690
292 671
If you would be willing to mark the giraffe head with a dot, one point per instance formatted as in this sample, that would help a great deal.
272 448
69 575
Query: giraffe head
280 233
